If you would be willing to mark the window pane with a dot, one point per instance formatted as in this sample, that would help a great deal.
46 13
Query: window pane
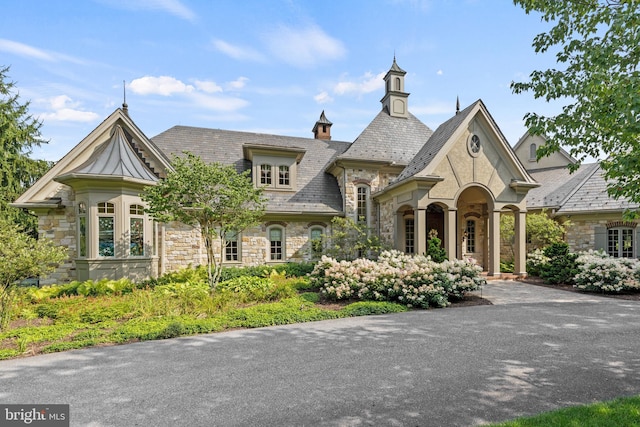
316 241
275 239
627 243
82 236
231 246
361 210
284 175
471 236
105 207
136 210
265 174
136 242
105 236
409 236
613 242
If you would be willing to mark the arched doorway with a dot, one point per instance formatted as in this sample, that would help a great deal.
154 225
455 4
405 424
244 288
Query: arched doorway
474 225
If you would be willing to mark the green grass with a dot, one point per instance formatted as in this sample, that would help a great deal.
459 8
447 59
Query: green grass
51 320
622 412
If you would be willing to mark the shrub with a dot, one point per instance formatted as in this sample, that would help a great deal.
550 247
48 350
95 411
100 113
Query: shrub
411 280
365 308
434 247
561 267
536 262
598 271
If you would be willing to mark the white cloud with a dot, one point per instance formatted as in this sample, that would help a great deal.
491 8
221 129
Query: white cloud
439 72
237 52
65 110
174 7
304 47
218 103
323 98
22 49
163 85
366 84
207 86
238 83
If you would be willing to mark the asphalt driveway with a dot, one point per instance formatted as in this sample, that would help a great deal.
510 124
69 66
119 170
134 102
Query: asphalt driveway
534 350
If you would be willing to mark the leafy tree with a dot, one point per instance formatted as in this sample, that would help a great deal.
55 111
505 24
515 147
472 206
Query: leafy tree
599 44
19 133
541 231
434 247
21 257
214 197
350 240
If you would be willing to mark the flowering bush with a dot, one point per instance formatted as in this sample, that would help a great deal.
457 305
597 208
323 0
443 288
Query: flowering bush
413 280
536 261
598 271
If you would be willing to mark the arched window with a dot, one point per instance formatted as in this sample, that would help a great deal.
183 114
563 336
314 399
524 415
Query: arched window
470 230
620 242
532 152
276 243
265 174
232 246
398 84
362 204
316 237
106 229
82 229
136 230
409 235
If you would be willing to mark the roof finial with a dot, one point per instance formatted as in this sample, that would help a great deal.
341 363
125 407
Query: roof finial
125 107
457 104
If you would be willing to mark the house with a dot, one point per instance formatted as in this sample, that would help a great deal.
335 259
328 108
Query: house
399 177
580 200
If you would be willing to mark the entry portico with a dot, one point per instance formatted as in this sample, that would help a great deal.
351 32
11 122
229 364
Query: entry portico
459 184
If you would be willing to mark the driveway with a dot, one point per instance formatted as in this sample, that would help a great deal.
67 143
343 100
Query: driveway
535 350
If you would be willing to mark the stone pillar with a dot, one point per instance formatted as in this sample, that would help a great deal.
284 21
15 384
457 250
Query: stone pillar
450 227
420 230
494 243
520 261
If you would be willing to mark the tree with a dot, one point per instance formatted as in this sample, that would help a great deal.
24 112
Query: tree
21 257
350 240
599 43
541 231
214 197
434 247
19 133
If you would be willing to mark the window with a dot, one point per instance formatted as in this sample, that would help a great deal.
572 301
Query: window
136 230
398 83
106 223
316 241
532 152
470 231
276 244
620 242
82 229
284 175
409 236
362 205
231 249
265 174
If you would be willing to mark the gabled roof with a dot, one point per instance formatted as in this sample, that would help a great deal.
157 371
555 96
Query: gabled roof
435 143
317 191
115 158
561 151
392 139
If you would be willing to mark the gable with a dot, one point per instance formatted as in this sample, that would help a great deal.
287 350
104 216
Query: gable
86 152
526 148
448 154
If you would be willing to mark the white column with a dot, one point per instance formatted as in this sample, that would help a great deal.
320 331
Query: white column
494 243
450 227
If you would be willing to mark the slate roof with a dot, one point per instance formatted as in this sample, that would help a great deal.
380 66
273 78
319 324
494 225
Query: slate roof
392 139
434 144
116 157
317 191
583 191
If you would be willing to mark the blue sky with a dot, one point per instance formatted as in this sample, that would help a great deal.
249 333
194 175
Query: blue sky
267 66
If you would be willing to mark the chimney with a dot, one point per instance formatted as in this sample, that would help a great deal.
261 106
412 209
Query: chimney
322 128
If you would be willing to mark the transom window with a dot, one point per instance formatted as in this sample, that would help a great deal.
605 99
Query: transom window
265 174
620 242
276 244
470 230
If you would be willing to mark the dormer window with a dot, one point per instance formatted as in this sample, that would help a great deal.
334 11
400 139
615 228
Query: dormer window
265 174
284 176
532 153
